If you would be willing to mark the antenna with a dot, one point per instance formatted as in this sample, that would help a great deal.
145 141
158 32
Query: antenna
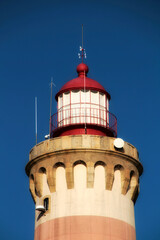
50 107
82 36
82 53
50 117
36 118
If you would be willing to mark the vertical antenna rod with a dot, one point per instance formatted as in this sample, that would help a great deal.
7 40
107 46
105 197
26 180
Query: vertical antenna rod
36 118
82 43
82 35
50 108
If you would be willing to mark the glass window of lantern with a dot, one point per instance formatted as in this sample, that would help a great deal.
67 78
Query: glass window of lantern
107 102
107 115
66 108
75 96
75 106
85 106
95 97
102 111
85 96
60 112
60 101
66 98
102 99
94 107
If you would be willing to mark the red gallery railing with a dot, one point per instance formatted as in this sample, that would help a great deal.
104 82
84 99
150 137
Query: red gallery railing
67 116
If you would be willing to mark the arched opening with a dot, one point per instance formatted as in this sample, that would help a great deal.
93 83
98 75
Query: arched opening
99 177
32 187
46 203
61 184
133 188
43 180
133 180
79 175
36 192
117 179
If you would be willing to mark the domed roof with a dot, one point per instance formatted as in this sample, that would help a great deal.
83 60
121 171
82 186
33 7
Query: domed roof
78 83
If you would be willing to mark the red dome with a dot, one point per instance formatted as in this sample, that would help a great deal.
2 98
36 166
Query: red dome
78 83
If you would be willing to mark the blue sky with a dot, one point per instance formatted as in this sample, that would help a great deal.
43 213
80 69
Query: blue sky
40 39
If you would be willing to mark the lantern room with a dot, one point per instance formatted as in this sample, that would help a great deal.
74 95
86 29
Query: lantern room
83 108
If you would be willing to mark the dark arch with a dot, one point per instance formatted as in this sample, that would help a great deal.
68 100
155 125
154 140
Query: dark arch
32 177
118 167
42 170
79 162
99 163
132 174
59 164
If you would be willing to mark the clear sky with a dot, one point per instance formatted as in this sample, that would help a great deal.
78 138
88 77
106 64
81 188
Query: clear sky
40 39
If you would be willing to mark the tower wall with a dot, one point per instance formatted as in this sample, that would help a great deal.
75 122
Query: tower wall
90 185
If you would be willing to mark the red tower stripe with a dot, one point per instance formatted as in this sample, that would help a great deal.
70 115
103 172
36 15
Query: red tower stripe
85 228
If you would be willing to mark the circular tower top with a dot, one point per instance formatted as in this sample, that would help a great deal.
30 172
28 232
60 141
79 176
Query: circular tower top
83 108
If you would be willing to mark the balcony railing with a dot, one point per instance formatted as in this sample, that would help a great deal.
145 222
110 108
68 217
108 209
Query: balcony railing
68 116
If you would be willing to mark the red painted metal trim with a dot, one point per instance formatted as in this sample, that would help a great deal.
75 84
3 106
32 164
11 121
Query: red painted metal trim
81 131
78 129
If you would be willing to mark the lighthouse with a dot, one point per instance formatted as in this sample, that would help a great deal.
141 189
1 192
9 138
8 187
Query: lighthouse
84 180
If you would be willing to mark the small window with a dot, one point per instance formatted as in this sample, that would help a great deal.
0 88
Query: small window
46 203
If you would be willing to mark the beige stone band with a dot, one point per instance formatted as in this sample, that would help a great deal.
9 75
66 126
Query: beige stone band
89 150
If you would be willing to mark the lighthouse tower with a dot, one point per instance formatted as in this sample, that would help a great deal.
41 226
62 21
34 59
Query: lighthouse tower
84 180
